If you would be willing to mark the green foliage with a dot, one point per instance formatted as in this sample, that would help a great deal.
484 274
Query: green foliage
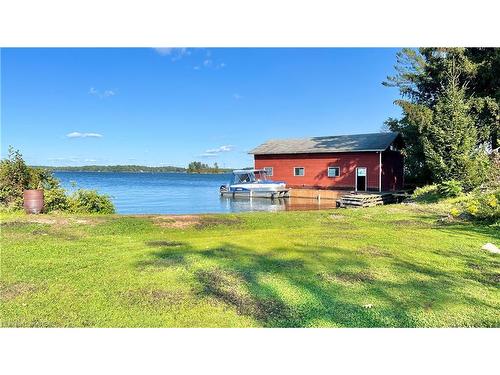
199 167
451 124
56 200
450 189
450 139
493 179
416 118
480 206
16 176
90 201
426 194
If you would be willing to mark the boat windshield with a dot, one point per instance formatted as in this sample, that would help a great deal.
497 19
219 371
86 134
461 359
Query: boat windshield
261 176
243 178
249 177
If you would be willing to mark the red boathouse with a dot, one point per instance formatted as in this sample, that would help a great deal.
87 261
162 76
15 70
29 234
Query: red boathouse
358 162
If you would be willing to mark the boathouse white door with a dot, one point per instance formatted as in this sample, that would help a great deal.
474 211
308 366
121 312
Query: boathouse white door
361 179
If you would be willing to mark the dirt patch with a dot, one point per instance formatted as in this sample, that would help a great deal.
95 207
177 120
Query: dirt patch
46 220
212 221
176 221
336 217
474 266
164 243
231 288
347 277
481 273
373 251
491 278
14 224
196 221
53 221
154 297
428 305
411 224
163 260
11 291
39 232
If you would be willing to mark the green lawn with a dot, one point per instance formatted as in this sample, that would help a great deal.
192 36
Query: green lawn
388 266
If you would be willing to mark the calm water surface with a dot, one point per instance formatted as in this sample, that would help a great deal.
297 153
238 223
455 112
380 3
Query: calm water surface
172 193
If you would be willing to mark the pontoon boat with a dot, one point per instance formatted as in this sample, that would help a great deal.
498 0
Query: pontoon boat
253 183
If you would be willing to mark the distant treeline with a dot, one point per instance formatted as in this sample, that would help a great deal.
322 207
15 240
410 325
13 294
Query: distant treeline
134 168
199 167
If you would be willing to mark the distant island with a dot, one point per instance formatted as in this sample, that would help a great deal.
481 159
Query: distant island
194 167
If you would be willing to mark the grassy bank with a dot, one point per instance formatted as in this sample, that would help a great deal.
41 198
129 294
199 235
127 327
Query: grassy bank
389 266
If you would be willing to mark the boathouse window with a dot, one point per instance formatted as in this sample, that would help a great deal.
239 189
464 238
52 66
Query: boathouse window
298 171
269 171
333 171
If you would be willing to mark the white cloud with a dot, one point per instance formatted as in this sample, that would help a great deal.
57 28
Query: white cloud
104 94
90 160
218 150
175 53
83 135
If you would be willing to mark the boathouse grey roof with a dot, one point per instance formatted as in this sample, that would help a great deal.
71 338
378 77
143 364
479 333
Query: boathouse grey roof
335 143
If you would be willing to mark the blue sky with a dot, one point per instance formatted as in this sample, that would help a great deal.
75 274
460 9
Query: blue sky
172 106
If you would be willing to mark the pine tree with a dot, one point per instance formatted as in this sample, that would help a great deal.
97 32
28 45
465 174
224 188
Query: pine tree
450 139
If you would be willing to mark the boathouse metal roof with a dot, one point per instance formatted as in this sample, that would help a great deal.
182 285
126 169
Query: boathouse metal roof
335 143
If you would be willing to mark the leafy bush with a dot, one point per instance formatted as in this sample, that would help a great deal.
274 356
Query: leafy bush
428 193
16 176
90 201
450 189
41 179
56 200
480 206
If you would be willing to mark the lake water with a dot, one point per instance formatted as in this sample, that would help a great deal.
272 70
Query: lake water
172 193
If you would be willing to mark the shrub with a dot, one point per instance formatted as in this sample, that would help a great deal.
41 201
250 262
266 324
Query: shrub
90 201
16 176
56 200
41 179
450 189
428 193
480 206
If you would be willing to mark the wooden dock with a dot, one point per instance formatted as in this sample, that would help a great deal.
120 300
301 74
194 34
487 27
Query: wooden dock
342 198
318 194
367 199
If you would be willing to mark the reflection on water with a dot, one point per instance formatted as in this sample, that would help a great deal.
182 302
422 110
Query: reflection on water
239 204
176 193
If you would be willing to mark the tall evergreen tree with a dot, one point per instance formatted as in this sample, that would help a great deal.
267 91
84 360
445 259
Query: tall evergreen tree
419 77
450 139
